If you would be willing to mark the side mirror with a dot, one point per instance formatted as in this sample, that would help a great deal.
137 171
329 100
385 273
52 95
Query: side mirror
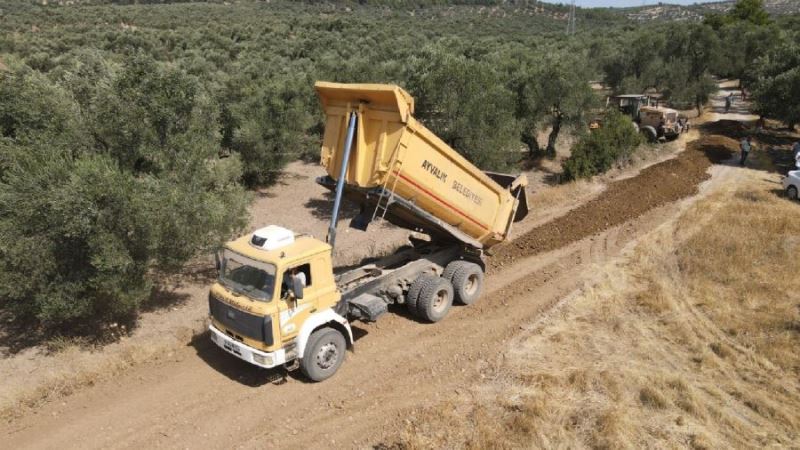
297 288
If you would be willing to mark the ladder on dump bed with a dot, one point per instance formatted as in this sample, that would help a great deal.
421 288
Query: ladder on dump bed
386 196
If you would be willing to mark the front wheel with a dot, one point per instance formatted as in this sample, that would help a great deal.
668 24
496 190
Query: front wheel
324 354
791 192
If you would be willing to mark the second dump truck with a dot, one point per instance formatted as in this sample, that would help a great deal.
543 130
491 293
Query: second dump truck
279 299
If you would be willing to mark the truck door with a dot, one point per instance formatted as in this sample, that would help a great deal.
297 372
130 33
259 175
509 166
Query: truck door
293 312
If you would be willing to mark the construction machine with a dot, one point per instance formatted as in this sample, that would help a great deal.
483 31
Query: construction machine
280 300
655 122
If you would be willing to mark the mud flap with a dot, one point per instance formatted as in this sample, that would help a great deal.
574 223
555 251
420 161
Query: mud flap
362 220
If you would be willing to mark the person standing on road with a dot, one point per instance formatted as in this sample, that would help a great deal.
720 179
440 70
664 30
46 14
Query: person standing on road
746 145
760 125
795 154
728 102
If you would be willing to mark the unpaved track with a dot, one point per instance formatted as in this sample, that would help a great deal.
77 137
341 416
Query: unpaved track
199 396
205 398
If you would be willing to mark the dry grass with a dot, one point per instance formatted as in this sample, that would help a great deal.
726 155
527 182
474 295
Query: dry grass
691 343
741 268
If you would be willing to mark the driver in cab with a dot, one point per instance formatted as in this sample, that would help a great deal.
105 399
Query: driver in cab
288 281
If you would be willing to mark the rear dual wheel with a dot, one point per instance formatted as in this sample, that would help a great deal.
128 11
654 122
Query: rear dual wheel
430 297
435 300
467 280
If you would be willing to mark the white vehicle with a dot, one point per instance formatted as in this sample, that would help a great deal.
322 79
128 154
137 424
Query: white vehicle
791 184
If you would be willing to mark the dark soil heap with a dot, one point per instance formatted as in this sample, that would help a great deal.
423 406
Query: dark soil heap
624 200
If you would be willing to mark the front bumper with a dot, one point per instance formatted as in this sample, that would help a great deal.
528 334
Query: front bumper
244 352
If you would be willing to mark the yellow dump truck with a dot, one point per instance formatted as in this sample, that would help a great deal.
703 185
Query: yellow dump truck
279 300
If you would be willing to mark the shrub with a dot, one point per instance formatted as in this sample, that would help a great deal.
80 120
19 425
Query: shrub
597 151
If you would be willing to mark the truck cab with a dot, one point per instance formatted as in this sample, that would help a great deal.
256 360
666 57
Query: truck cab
274 291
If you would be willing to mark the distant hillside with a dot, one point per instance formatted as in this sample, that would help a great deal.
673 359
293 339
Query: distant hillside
547 15
665 11
516 14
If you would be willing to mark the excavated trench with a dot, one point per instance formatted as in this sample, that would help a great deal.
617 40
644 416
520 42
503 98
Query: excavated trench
624 200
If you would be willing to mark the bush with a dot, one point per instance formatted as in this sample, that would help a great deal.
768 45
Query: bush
599 150
97 201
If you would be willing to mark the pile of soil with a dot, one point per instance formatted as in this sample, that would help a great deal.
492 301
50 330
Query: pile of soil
624 200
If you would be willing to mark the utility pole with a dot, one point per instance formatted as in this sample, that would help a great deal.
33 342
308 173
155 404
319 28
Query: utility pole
571 19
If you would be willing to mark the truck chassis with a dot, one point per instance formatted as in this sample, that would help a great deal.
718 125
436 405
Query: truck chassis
369 289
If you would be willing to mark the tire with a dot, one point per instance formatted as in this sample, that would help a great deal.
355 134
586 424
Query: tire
435 299
791 192
323 355
468 283
415 289
649 133
451 269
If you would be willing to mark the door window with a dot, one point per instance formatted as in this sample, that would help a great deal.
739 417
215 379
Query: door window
303 271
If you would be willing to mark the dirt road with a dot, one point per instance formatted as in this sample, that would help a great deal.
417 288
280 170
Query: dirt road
199 396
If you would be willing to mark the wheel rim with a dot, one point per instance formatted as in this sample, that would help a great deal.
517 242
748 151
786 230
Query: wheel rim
440 301
327 355
792 192
471 285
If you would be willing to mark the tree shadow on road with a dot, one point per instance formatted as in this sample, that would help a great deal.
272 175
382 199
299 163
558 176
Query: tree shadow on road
734 129
322 208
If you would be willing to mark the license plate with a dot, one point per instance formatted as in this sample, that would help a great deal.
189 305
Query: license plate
231 347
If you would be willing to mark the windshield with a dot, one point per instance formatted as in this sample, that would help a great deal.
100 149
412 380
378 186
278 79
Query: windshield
246 276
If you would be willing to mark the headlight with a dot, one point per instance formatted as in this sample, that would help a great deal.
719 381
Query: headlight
263 360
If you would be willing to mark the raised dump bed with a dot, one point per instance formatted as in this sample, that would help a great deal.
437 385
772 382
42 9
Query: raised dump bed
399 170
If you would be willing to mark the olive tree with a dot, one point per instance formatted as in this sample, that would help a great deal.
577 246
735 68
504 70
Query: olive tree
553 92
778 87
466 103
98 200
